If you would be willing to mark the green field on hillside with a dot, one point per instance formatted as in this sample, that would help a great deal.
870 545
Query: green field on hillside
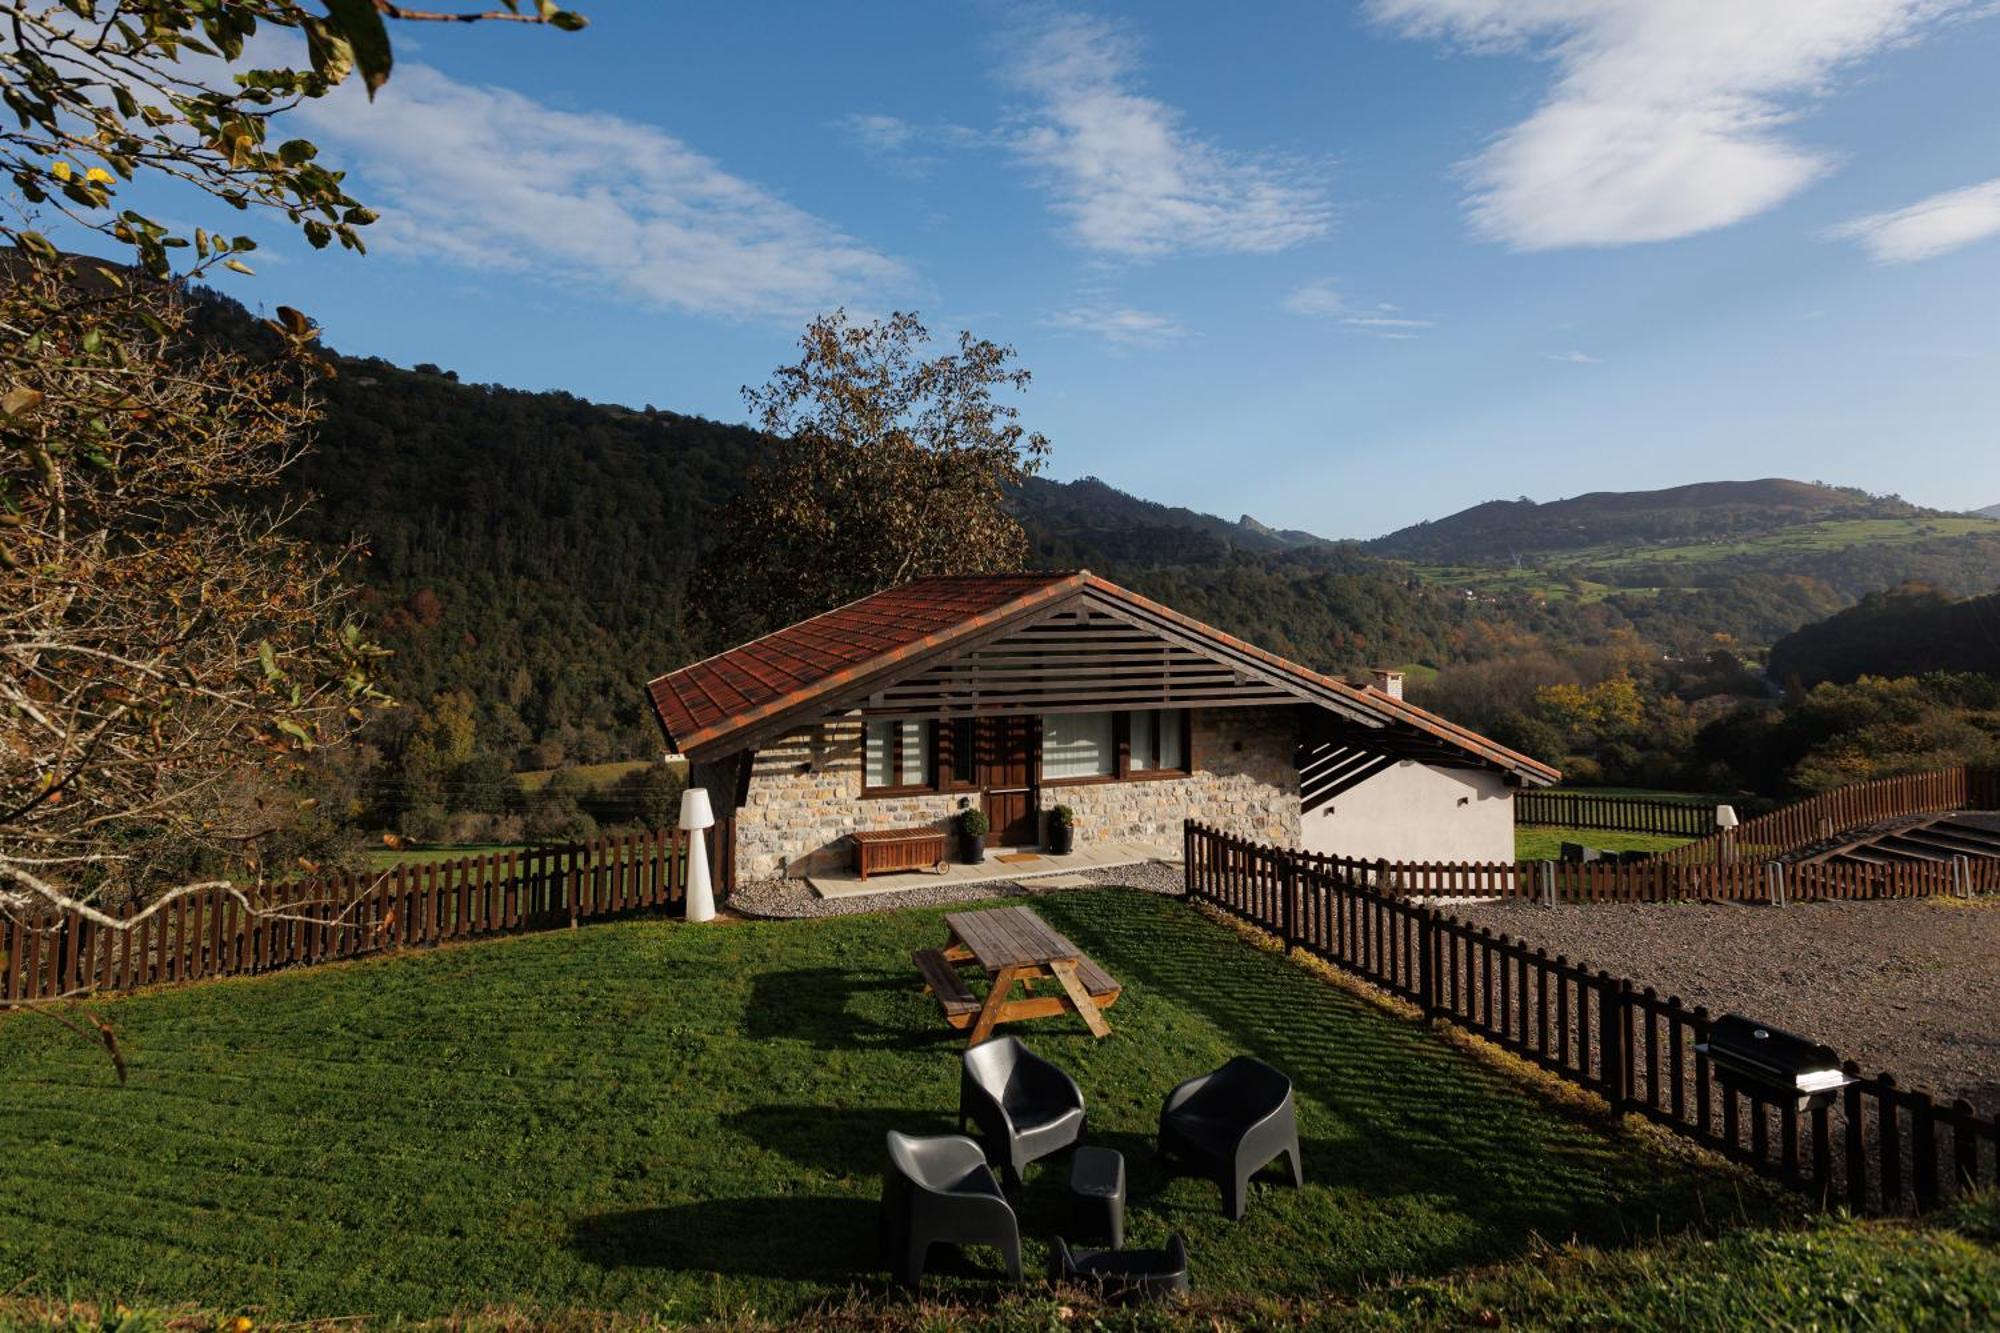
1592 573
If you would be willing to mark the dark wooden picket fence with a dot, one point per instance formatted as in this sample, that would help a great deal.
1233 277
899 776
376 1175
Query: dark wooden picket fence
1803 823
216 934
1874 1145
1660 881
1621 814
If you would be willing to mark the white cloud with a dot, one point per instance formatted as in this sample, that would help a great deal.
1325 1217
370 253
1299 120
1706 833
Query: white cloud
1665 118
1576 358
1320 299
877 134
1128 176
1930 227
1316 300
488 178
1120 326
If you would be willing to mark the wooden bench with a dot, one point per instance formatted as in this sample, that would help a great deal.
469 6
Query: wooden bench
942 980
889 850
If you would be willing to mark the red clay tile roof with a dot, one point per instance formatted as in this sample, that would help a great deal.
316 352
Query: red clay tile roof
795 664
701 705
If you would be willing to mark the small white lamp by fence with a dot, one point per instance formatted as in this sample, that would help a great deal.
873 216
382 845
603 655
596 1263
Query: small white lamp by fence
1725 817
697 818
1725 824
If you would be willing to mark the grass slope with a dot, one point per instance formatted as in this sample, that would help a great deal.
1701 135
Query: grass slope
678 1122
1544 842
1592 573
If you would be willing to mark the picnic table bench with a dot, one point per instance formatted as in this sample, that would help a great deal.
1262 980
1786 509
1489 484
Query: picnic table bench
1013 946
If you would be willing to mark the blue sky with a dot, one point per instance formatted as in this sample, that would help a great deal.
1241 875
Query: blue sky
1340 267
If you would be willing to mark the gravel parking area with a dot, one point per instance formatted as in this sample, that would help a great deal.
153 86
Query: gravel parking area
1907 987
795 898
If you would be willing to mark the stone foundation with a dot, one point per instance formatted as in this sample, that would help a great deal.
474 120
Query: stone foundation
805 794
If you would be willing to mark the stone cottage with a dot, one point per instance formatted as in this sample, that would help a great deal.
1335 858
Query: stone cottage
1020 692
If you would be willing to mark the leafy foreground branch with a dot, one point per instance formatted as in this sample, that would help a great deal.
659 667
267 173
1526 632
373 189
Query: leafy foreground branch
100 93
168 653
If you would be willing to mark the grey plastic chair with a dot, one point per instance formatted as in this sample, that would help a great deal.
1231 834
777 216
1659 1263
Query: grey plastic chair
940 1191
1229 1124
1024 1107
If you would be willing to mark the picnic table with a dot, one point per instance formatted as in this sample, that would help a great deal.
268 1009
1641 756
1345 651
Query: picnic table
1013 947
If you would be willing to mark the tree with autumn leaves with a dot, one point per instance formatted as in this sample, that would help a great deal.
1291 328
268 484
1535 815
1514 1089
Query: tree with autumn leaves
168 652
888 460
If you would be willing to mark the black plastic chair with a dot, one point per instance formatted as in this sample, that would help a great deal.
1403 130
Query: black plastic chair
1150 1275
1023 1106
1230 1124
940 1191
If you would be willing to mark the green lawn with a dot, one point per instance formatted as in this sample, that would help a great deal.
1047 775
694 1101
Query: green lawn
423 854
1540 842
659 1119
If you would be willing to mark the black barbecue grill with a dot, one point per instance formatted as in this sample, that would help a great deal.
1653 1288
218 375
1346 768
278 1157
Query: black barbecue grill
1770 1064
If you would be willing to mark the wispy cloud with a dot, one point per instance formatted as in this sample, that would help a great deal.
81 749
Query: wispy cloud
1124 171
907 147
1576 358
1320 299
488 178
1119 326
1663 119
1930 227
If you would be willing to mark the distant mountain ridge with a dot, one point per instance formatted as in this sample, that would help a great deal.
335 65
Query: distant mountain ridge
1505 530
1991 511
1091 514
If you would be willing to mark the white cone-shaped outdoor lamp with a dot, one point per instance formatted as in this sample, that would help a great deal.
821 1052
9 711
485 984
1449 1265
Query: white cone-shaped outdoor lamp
697 818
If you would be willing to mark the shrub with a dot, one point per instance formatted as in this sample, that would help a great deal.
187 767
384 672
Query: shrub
973 823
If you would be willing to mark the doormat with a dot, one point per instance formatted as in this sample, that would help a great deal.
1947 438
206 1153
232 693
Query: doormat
1015 858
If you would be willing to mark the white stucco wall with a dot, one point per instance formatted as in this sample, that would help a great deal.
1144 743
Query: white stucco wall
1412 812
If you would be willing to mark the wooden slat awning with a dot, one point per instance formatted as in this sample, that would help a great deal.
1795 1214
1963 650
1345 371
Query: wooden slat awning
1026 643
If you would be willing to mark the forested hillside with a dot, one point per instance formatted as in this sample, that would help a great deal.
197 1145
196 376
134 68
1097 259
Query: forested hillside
1906 631
530 555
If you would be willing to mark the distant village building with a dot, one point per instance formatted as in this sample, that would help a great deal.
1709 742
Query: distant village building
1019 692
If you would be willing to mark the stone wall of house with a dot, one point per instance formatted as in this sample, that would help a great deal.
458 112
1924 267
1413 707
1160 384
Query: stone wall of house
805 798
805 795
1245 780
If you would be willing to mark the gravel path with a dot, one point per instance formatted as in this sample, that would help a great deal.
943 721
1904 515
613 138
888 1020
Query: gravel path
795 898
1907 987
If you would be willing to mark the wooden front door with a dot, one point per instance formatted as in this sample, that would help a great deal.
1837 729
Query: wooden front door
1005 771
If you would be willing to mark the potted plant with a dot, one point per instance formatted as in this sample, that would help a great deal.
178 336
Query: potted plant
1062 830
972 826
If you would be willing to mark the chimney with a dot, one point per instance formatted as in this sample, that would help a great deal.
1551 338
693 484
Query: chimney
1388 680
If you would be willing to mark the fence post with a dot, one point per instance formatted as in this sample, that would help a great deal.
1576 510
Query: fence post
1774 882
1613 1056
1545 873
1427 963
1187 858
1961 876
1288 871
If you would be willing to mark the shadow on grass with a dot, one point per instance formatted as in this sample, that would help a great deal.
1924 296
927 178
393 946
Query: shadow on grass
817 1239
842 1009
1409 1114
838 1140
